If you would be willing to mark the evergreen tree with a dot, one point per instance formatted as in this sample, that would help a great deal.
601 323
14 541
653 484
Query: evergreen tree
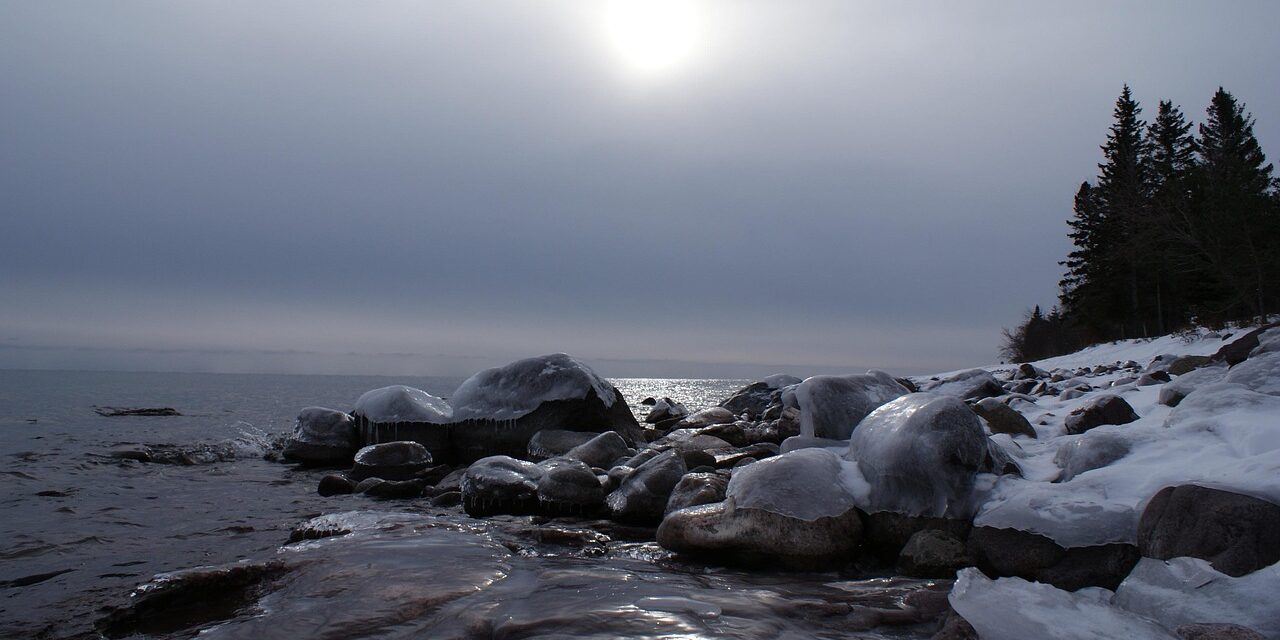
1169 226
1124 190
1085 290
1236 209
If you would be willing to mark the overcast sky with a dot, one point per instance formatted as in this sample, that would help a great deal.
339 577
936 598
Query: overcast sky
435 187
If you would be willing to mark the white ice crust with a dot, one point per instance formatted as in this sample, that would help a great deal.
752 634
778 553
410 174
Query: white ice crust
832 406
1188 591
399 403
807 484
780 380
512 391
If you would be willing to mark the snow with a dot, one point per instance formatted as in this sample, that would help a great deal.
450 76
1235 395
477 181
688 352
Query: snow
831 406
1260 373
1188 591
807 484
513 391
919 453
1015 609
399 403
780 380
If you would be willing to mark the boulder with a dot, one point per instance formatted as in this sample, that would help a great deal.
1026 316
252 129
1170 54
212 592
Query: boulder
730 457
753 399
697 489
568 487
919 454
1093 450
642 496
1172 393
550 443
601 451
1219 631
1237 534
1238 350
1013 553
792 506
974 384
1002 418
932 554
832 406
501 485
706 418
885 534
1183 365
390 461
666 409
322 437
497 411
1105 409
397 413
335 485
396 490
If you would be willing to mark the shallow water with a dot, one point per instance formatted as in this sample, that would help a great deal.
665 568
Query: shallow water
82 530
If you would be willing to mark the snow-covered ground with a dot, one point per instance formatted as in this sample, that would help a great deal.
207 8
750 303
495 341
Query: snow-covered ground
1224 434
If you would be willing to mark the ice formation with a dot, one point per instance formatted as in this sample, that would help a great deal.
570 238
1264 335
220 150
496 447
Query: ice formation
920 453
399 403
1189 591
831 406
512 391
806 484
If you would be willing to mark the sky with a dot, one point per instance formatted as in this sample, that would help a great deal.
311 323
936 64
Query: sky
724 188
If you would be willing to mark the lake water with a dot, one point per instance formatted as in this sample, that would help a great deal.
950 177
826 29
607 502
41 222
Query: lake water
82 529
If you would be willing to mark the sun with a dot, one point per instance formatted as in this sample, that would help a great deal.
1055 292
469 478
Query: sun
652 35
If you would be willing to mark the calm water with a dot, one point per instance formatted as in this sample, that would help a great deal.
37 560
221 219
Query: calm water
82 529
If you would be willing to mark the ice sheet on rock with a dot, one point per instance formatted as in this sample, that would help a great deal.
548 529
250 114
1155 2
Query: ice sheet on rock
962 384
1268 342
399 403
1221 436
1015 609
1188 590
780 380
920 454
1259 373
832 406
806 484
512 391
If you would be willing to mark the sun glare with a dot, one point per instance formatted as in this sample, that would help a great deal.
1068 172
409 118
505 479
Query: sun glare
652 35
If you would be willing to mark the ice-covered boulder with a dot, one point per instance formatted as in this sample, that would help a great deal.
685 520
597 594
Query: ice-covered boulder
974 384
920 454
642 496
397 413
697 489
1015 609
1002 418
501 484
797 505
1104 409
322 437
400 460
1237 534
1260 373
832 406
600 451
1184 591
1090 451
498 410
1238 350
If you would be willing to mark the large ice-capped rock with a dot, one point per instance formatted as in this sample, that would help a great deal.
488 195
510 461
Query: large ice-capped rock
920 453
498 410
397 412
831 406
797 505
322 436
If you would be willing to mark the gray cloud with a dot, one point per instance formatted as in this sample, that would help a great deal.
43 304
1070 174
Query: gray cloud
830 186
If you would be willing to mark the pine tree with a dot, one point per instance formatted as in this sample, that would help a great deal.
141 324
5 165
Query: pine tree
1237 213
1171 162
1124 191
1085 286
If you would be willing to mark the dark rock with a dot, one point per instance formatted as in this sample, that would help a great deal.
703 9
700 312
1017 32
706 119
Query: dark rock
434 475
731 534
664 410
367 484
999 462
187 599
1237 534
390 461
697 489
695 458
550 443
334 485
750 400
642 496
1010 552
600 451
1002 418
730 457
568 487
932 554
1218 631
322 437
116 412
501 485
451 482
955 627
974 384
1238 350
1028 371
649 401
706 418
886 534
1105 409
